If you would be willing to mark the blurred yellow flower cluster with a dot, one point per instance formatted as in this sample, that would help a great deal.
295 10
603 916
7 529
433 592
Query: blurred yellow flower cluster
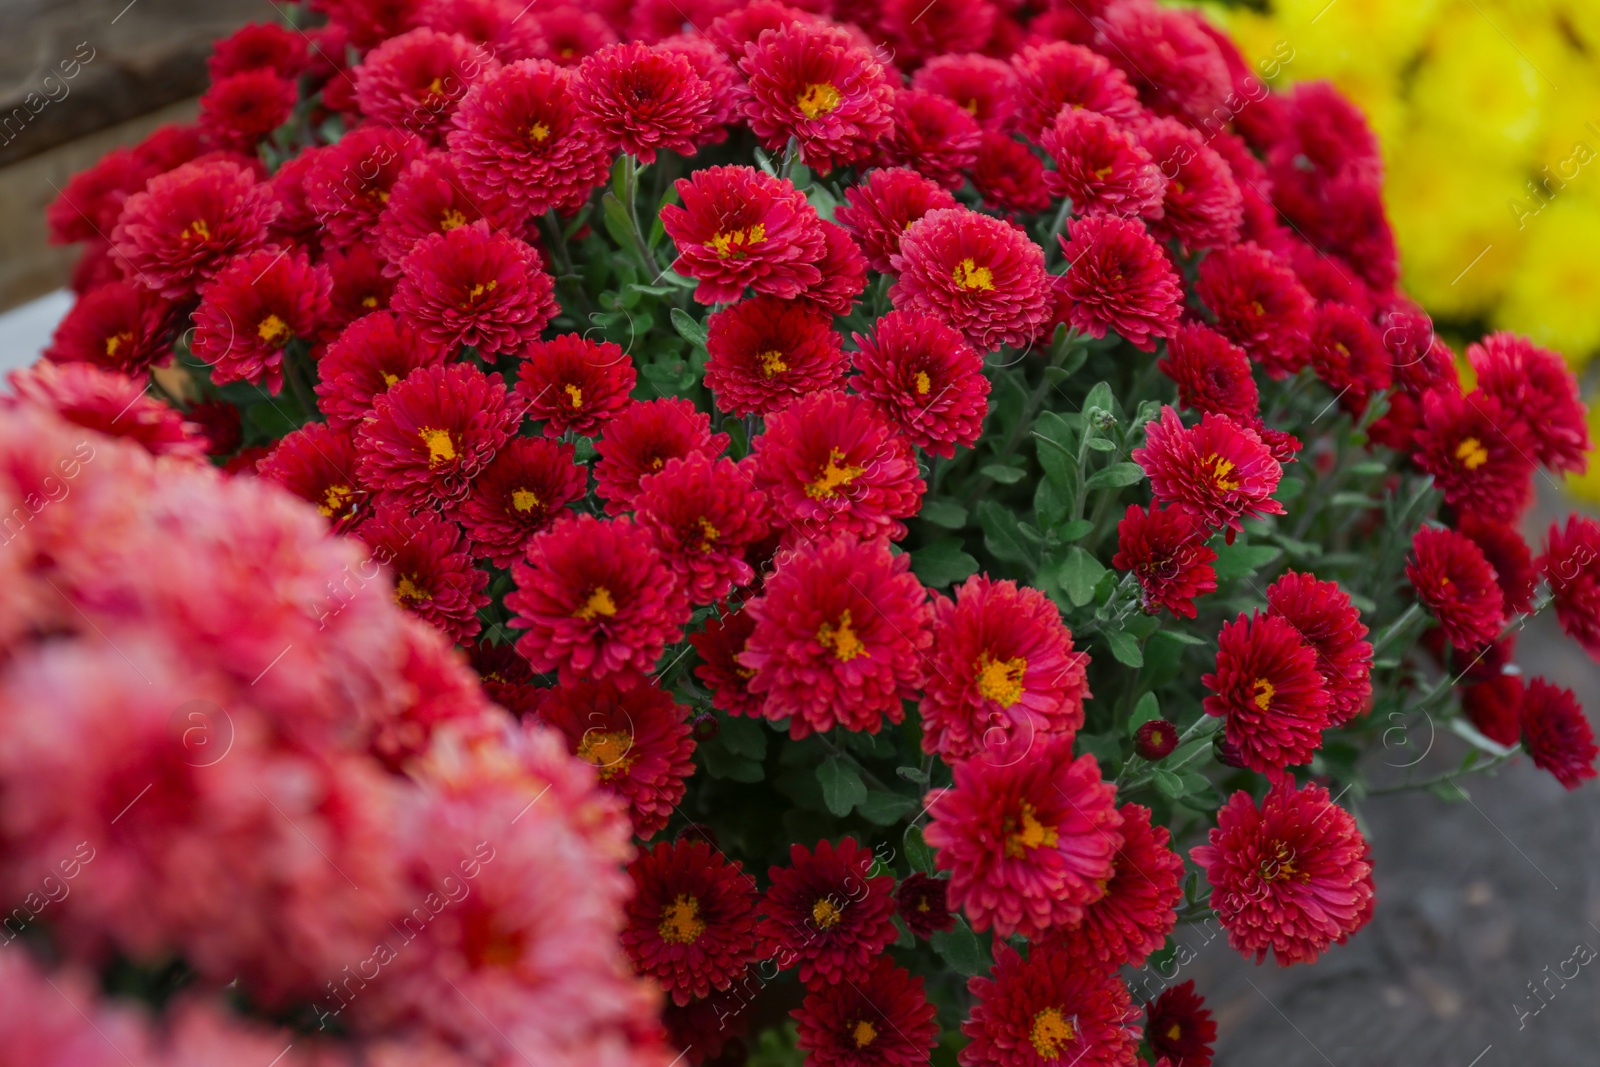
1489 115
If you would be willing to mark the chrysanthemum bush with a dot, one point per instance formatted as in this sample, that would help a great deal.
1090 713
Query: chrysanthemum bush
962 478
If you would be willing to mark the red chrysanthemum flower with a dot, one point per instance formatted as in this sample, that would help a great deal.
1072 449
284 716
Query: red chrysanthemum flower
817 85
823 913
830 463
349 183
1211 372
1259 305
880 208
1268 691
1557 734
188 223
733 30
719 644
738 227
431 433
109 403
763 352
596 599
642 438
1008 175
1179 1027
119 326
506 677
1536 389
1291 875
88 207
1494 706
239 111
1569 565
523 490
1171 61
1166 550
1118 277
926 378
1004 671
881 1018
373 353
985 87
296 223
1219 470
703 514
1348 354
370 21
571 33
574 384
475 286
429 198
1138 911
840 637
359 285
643 100
496 25
220 423
722 78
707 1029
1479 453
691 920
980 274
518 135
933 136
923 904
1052 1008
1100 165
433 573
1201 206
918 31
1454 579
259 46
1059 74
1325 619
318 462
251 310
415 81
1508 554
635 736
844 272
1028 834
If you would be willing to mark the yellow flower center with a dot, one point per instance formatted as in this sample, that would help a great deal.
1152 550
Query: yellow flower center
478 290
924 383
574 394
273 331
735 242
818 100
524 499
406 590
680 921
841 640
1000 680
772 363
1265 691
607 750
1471 453
833 477
369 302
1027 832
969 275
441 446
538 133
1280 866
1221 471
451 220
196 231
598 604
1174 1032
1051 1033
708 534
826 913
116 341
335 499
864 1033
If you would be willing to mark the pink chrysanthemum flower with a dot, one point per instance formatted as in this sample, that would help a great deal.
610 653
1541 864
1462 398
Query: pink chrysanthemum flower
1536 389
1029 836
1453 578
980 274
719 644
518 135
1479 453
641 439
574 384
415 81
596 599
432 570
1059 74
1166 550
823 913
1054 1008
1218 470
1118 278
188 223
841 632
430 198
881 1019
240 110
1557 734
1004 671
373 353
348 185
763 352
431 433
880 207
925 377
1267 689
1569 564
1101 166
1201 206
1138 911
933 136
119 326
703 514
985 87
1259 305
1325 619
738 228
1009 176
523 490
109 403
817 85
641 100
844 272
692 919
1211 373
636 737
1291 875
252 309
829 463
474 286
319 463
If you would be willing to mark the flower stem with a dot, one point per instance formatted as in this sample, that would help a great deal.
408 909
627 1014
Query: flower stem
630 191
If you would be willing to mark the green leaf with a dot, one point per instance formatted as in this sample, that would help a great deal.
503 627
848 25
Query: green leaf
1367 470
1115 476
688 327
1000 533
918 852
1074 529
653 290
1003 474
1124 647
1053 437
743 737
1148 708
1100 397
1102 444
1240 560
886 809
842 787
618 225
1168 784
722 764
1354 500
959 948
942 562
1078 575
1290 487
946 513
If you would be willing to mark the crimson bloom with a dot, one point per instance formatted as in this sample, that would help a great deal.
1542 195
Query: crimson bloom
703 514
1348 354
475 286
258 46
933 136
1138 911
738 227
1201 206
879 208
839 637
1118 277
983 86
574 384
719 644
189 222
416 79
1323 615
348 185
1479 453
643 100
318 463
432 432
1569 565
1180 1027
1508 554
596 599
1060 74
1267 689
1535 388
523 490
1218 470
373 353
1211 372
642 438
1557 734
109 403
691 920
1259 305
240 110
1029 836
881 1019
1052 1008
433 573
763 352
1166 550
251 310
844 272
635 736
926 378
430 198
1291 875
979 274
1101 166
1008 175
1174 64
1494 706
118 326
824 913
920 900
1453 578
